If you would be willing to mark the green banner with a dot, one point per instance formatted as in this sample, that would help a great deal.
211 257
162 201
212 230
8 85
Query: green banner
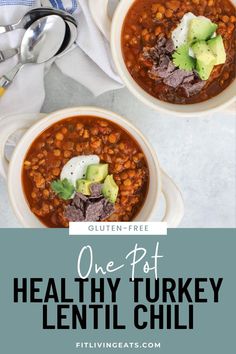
70 294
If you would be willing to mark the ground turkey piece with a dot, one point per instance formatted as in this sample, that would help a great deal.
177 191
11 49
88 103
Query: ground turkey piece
164 69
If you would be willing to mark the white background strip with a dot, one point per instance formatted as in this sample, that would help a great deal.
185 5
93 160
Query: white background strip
118 228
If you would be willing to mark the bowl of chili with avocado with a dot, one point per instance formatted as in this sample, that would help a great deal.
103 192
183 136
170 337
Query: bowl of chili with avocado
84 164
178 57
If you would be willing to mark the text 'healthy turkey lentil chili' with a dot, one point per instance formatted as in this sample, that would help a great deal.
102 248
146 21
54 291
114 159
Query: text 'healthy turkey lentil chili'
148 21
84 136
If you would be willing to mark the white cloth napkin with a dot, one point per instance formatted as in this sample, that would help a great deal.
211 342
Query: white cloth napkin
89 62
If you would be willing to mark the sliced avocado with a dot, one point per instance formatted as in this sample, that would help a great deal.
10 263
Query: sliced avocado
204 70
200 29
217 46
110 189
201 49
205 59
83 186
97 172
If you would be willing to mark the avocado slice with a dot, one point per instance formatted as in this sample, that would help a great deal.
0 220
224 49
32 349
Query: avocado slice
110 189
97 172
200 29
205 59
217 46
83 186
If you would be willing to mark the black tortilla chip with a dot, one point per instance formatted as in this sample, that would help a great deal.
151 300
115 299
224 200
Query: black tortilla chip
74 214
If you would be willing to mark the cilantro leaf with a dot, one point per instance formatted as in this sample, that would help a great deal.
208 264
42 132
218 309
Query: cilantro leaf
64 189
182 59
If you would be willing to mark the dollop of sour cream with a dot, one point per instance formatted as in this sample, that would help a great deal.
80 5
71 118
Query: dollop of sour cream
180 34
76 167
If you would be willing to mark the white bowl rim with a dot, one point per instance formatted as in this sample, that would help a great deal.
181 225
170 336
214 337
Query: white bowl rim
150 100
67 113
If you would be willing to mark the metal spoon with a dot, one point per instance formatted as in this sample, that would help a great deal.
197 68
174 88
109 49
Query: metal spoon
8 53
70 38
73 34
33 15
41 42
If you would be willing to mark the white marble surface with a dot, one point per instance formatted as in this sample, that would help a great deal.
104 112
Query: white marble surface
198 153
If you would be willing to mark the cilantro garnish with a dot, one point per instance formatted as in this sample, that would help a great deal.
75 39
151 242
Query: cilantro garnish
182 59
64 189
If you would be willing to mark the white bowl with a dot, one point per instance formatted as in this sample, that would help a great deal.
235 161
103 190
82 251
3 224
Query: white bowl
113 31
159 181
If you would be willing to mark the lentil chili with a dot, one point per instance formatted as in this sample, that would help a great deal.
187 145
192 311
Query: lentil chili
149 20
84 136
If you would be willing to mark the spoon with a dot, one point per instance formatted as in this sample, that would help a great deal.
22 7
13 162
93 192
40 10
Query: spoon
41 42
33 15
70 38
